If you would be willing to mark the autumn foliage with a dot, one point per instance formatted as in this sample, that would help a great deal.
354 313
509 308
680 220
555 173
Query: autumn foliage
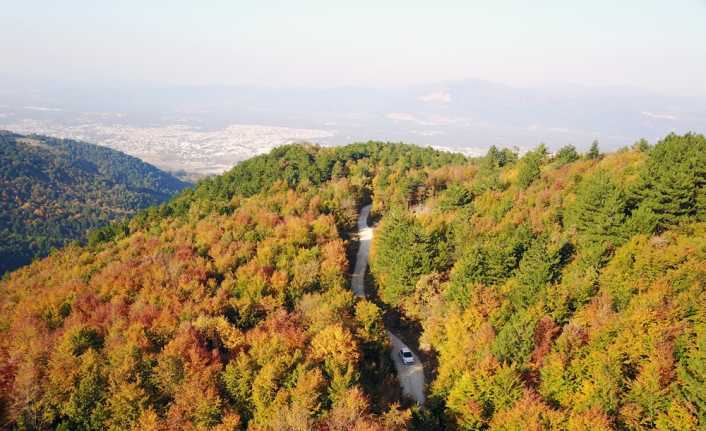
226 308
556 291
567 293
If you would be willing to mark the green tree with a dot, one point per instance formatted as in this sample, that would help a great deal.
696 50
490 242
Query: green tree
594 152
502 157
85 409
471 268
566 155
530 166
642 145
692 373
539 267
599 211
237 379
488 175
455 196
402 254
672 183
515 339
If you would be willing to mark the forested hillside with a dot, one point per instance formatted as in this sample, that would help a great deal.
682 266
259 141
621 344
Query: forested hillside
559 291
551 291
52 191
225 308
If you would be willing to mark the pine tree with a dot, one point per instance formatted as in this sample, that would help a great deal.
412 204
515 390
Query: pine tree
402 254
594 152
469 269
599 210
642 145
455 196
538 268
488 176
692 374
530 166
673 181
566 155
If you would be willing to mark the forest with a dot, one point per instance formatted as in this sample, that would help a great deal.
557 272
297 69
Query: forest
225 308
53 190
555 291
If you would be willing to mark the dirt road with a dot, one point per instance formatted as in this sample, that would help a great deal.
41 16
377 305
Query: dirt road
411 377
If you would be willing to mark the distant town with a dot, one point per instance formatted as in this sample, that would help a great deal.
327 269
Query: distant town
182 149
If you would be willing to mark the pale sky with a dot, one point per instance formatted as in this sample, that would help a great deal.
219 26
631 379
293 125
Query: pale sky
656 45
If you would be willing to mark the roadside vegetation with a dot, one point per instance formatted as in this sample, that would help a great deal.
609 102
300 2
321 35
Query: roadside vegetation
550 291
556 291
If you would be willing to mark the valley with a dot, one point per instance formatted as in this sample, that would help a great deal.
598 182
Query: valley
176 148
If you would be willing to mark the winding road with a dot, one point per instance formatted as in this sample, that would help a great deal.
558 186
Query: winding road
411 377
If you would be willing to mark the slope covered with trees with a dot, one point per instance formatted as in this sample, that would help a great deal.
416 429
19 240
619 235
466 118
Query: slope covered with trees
555 292
53 190
225 308
558 291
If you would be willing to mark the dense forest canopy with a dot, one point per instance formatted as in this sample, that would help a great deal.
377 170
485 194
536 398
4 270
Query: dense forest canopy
225 308
552 291
53 190
555 291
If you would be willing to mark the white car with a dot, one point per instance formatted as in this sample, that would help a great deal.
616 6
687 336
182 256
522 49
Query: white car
406 356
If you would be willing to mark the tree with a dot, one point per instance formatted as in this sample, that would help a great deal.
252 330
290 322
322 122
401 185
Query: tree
237 379
692 373
672 184
599 210
455 196
85 408
372 329
566 155
489 262
642 145
336 347
594 152
488 175
515 340
470 269
403 252
481 393
529 166
539 267
502 157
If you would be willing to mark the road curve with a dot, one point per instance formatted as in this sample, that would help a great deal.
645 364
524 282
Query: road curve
411 377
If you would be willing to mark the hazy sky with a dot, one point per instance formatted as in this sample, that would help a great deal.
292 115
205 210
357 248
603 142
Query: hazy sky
657 45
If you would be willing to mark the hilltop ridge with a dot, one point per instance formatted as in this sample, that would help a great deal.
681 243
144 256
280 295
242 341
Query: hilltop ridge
549 291
53 190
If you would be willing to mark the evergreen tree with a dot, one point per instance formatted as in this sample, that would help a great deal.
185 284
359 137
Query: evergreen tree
403 253
539 267
566 155
514 341
530 166
502 157
469 269
642 145
693 373
488 175
594 152
599 211
673 180
455 196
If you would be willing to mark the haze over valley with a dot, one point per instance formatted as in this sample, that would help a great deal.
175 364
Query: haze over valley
206 130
